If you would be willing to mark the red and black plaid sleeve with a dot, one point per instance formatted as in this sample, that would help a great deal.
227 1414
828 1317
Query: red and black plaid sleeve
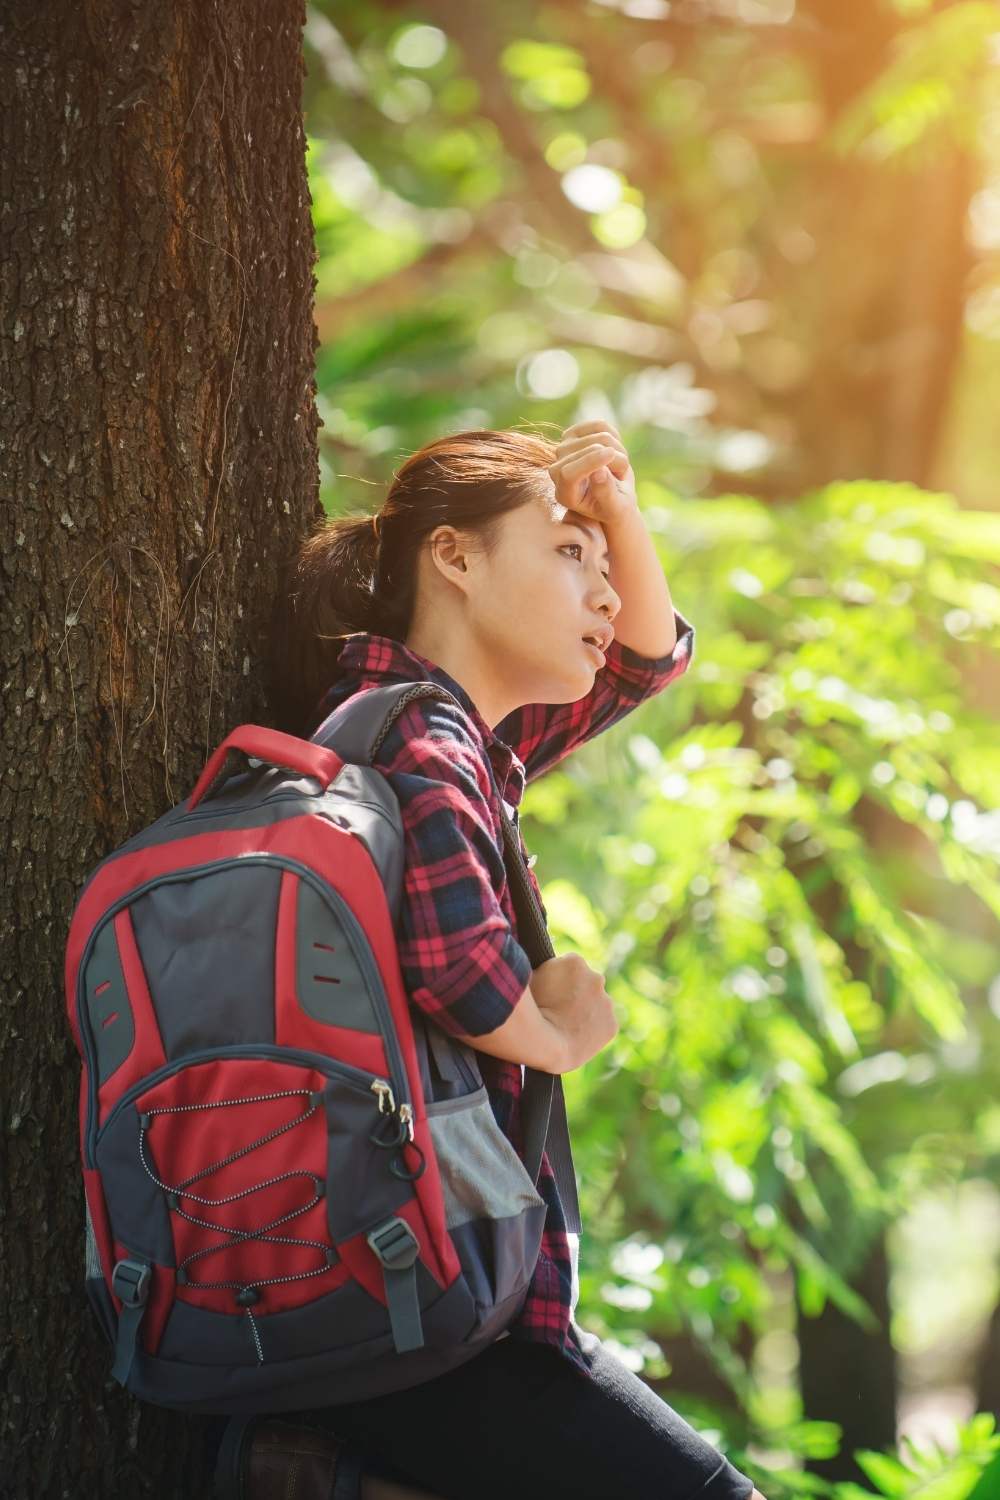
459 958
541 734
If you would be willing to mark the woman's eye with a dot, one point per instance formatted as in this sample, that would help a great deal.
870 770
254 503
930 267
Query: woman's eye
579 548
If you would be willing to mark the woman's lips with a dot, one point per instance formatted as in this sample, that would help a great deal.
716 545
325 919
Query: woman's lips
596 650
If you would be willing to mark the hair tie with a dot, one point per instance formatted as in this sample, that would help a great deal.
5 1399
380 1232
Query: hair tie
376 519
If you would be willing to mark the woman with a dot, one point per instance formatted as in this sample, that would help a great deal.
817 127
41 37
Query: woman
494 558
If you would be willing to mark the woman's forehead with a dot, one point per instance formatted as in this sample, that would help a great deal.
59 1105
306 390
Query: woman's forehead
555 513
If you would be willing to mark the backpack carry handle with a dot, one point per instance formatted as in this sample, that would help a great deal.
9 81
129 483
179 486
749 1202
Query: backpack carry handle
275 749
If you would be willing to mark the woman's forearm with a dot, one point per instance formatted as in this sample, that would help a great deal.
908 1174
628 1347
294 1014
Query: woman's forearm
525 1037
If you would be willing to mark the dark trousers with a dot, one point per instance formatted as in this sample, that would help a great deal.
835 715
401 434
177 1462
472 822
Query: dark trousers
519 1421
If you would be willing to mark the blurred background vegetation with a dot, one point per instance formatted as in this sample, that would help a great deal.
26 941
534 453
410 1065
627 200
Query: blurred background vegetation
763 238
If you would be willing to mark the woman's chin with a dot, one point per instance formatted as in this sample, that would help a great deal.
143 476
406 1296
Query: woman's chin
589 671
576 674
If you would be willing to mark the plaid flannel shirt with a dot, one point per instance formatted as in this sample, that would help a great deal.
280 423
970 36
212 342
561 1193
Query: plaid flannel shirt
459 955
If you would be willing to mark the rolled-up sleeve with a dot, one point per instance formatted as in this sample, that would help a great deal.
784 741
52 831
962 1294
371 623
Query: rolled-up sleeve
542 734
460 961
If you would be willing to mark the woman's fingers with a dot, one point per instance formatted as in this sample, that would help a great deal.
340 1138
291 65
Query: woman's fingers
589 428
594 456
586 440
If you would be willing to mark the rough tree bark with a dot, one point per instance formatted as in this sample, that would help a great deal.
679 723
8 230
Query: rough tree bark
158 452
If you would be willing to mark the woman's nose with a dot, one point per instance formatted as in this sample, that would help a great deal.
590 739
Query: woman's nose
608 599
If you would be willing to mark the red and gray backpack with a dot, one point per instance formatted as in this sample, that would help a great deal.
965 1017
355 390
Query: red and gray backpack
296 1190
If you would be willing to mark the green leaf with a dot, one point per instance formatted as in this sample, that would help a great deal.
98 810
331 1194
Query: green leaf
891 1477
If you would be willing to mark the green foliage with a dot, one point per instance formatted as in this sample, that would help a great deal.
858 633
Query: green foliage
932 82
971 1468
550 75
967 1468
761 937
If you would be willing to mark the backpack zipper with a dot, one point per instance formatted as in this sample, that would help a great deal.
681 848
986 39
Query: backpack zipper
359 946
308 805
364 1082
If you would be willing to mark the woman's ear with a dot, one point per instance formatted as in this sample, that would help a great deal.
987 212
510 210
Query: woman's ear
450 554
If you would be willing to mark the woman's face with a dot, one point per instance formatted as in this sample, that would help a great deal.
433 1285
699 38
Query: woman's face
530 604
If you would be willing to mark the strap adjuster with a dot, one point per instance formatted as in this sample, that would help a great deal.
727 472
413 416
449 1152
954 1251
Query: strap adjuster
130 1282
395 1244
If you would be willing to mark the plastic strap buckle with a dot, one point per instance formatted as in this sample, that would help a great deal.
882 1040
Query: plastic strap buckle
395 1244
130 1283
397 1247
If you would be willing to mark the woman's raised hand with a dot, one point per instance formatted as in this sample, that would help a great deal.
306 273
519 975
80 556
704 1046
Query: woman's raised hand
592 473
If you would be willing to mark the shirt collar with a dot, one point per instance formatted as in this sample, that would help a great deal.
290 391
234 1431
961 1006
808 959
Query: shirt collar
367 656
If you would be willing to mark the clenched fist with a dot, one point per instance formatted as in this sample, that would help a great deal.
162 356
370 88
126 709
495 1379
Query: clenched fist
572 998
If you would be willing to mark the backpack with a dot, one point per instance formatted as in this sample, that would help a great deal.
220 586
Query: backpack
296 1190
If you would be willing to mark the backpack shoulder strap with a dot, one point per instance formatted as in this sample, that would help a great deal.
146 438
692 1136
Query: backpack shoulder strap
357 727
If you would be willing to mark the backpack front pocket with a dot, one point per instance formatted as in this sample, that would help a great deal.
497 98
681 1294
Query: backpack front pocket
238 1176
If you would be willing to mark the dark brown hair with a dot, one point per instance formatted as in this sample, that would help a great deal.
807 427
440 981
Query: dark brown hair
359 572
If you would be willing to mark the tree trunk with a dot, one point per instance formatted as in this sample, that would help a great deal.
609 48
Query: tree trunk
848 1376
159 457
879 308
987 1369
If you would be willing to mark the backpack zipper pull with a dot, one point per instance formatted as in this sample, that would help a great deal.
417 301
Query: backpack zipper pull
406 1118
386 1102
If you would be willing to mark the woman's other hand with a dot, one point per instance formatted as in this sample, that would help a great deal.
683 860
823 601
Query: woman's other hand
562 1019
571 996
